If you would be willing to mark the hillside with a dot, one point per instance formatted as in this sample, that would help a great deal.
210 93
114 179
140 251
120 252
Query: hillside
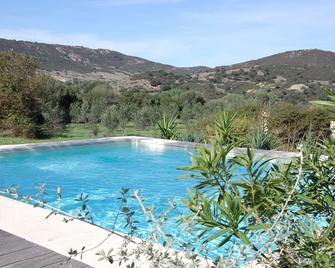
54 57
307 57
296 76
73 63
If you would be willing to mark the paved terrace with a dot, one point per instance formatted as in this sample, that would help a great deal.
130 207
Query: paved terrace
53 237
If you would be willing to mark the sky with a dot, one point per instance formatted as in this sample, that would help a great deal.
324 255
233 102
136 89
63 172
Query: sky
176 32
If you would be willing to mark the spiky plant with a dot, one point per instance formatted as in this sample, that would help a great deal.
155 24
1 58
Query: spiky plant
262 140
225 128
167 126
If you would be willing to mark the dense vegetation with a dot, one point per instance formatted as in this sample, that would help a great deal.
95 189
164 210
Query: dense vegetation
31 104
34 105
280 214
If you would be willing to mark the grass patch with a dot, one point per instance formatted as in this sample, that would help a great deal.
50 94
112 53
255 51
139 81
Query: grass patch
83 131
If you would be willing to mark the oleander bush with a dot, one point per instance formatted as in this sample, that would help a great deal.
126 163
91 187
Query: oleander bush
283 212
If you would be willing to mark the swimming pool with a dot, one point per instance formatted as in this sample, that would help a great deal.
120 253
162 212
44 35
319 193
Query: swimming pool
100 171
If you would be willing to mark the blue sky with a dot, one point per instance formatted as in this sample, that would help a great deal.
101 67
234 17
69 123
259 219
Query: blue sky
178 32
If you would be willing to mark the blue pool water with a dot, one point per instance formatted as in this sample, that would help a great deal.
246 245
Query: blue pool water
100 171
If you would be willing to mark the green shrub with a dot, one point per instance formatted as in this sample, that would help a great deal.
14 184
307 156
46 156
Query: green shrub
261 140
282 213
146 116
21 126
290 123
111 119
31 102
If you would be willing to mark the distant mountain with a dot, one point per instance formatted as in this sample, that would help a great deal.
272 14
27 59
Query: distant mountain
298 75
294 76
298 66
306 57
78 59
54 57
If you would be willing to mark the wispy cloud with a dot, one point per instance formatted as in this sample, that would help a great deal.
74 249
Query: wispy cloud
153 49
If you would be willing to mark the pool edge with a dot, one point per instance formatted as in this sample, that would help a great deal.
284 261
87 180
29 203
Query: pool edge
138 139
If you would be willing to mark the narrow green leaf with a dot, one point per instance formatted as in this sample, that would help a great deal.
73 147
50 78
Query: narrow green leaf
258 227
224 241
243 237
216 235
307 199
330 227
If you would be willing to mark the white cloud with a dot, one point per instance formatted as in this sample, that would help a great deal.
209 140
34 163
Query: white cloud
153 49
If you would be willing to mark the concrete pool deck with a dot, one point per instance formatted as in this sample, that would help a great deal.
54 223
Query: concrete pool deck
30 223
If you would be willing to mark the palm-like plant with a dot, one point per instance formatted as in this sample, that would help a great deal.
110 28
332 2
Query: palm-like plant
225 128
262 140
167 126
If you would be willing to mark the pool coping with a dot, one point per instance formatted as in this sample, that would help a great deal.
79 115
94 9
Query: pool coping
139 139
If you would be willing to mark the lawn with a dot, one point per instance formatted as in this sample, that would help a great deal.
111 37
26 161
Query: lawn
82 131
